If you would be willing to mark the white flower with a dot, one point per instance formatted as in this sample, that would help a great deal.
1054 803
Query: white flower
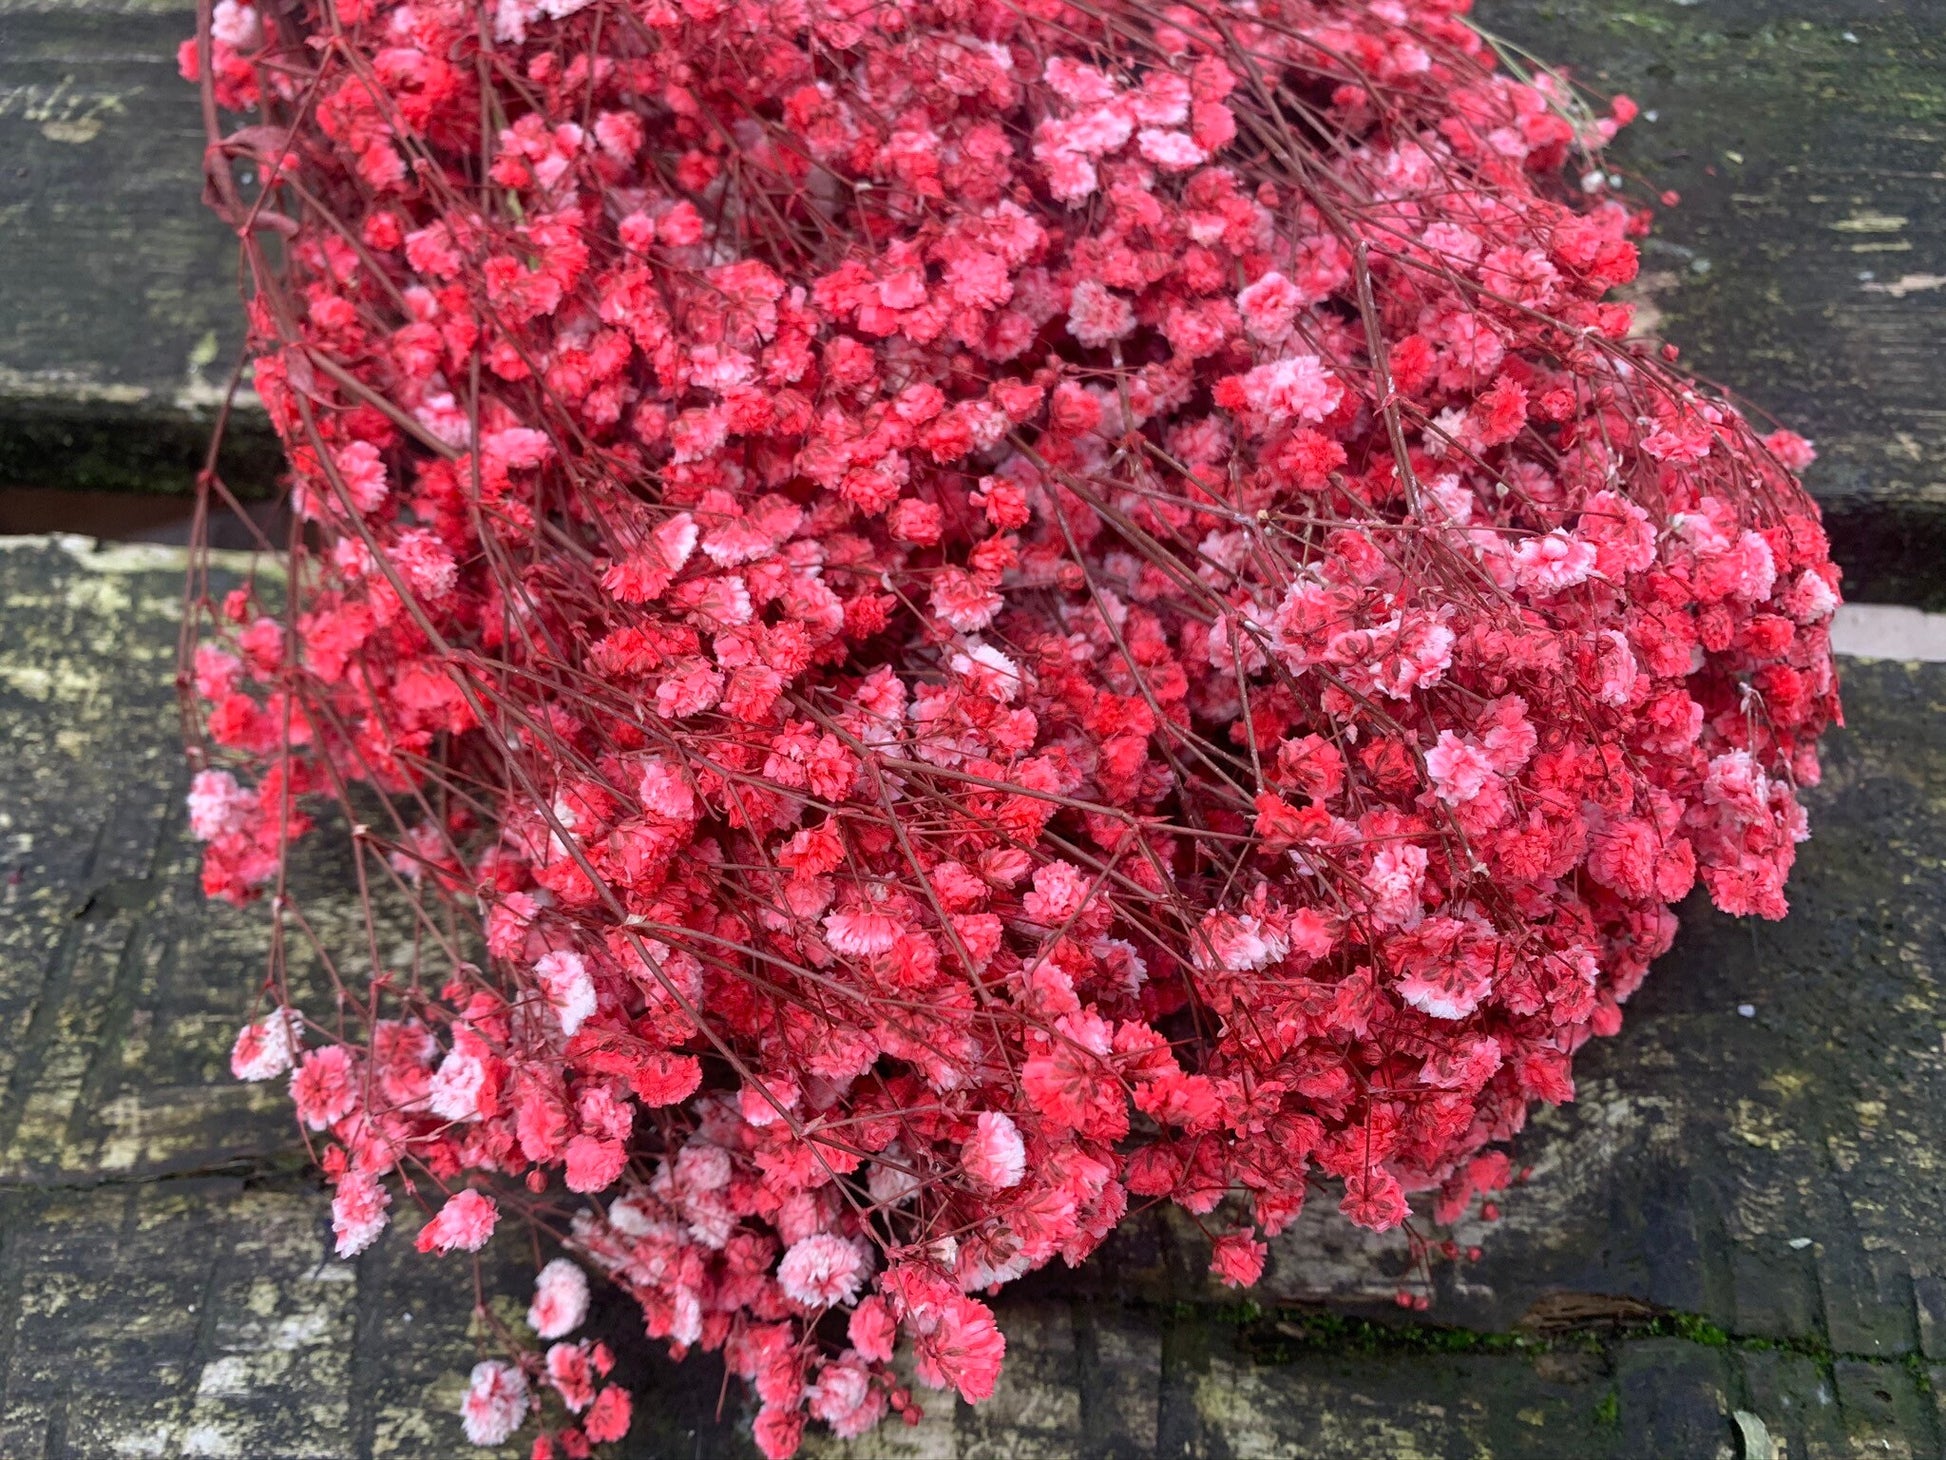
564 978
560 1299
495 1402
822 1271
996 1156
267 1048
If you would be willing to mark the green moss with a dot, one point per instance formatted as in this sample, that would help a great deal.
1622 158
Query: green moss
1692 1328
1915 1365
1284 1335
1608 1413
1288 1332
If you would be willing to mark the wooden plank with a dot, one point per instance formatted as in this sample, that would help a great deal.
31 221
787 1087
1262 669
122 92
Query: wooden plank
1739 1212
1806 265
119 318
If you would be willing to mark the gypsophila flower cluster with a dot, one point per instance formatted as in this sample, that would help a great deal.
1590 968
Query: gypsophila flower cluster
957 615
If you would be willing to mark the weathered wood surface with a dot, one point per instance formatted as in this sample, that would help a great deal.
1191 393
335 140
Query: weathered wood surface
119 314
1740 1212
1806 265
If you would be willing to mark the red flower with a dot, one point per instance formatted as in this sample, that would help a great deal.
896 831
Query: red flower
963 682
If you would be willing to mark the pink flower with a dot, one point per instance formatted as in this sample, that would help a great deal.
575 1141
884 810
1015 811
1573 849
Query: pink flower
742 541
262 644
465 1223
1413 655
1458 245
1467 1067
1060 891
1374 1199
675 538
681 226
1616 665
217 673
236 25
995 1156
454 1092
1459 768
1811 599
1791 449
1624 855
665 1078
1173 1098
568 987
664 791
963 603
1269 306
1097 316
873 1330
1521 274
822 1271
266 1048
362 471
358 1212
1071 176
913 521
962 1349
1508 735
778 1431
988 672
1396 874
1238 1258
861 934
1751 567
1553 563
1441 972
609 1418
507 924
724 603
423 562
218 806
324 1087
495 1403
1170 151
1163 100
560 1299
693 688
1623 537
1736 781
593 1163
1297 387
845 1398
1077 84
1240 942
571 1371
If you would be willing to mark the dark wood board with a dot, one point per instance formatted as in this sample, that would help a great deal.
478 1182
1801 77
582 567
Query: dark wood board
1739 1211
1805 267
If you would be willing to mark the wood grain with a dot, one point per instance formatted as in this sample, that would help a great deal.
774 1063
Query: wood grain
1739 1212
1806 265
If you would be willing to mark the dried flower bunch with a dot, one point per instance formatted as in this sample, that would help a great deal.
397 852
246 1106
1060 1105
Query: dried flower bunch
953 615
